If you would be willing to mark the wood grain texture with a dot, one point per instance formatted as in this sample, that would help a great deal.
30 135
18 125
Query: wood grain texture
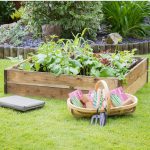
121 47
142 47
130 46
136 45
34 90
1 51
14 52
6 51
136 72
141 50
80 82
20 51
145 47
5 81
137 84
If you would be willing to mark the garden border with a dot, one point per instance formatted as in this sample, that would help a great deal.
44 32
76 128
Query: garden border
10 51
45 84
142 47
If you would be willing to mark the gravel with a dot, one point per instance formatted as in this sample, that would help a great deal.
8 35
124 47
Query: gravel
125 40
36 42
32 42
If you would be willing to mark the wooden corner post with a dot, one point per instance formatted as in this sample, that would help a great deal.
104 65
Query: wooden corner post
5 81
147 68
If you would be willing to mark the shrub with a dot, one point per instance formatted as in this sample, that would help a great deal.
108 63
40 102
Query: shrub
6 9
14 34
71 16
126 18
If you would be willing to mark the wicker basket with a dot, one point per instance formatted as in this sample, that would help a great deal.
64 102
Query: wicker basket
111 111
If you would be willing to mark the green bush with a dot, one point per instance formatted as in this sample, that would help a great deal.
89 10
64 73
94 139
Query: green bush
71 16
127 18
6 9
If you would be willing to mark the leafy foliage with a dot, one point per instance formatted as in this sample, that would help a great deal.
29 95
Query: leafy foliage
16 59
117 64
13 35
6 9
72 16
17 14
127 18
75 57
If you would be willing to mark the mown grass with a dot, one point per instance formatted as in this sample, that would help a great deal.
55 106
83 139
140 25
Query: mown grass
52 127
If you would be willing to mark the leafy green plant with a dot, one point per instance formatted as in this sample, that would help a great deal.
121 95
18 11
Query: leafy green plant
6 9
75 57
127 18
117 64
16 59
13 35
72 16
17 14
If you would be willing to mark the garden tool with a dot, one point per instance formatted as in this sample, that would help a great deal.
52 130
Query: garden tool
100 116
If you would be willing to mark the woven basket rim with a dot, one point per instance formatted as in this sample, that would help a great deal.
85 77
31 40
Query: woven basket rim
71 106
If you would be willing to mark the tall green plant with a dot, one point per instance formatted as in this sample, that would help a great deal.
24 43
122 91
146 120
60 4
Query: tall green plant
126 18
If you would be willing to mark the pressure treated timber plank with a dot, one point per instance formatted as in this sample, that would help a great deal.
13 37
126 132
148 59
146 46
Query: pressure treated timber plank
136 72
6 51
42 91
136 46
138 84
1 52
141 48
49 78
146 47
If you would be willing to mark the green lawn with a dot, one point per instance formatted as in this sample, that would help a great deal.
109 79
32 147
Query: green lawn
52 127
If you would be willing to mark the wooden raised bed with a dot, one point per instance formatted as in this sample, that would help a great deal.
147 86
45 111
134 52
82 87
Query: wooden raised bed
48 85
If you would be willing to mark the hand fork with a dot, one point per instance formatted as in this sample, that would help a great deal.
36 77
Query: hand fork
102 117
